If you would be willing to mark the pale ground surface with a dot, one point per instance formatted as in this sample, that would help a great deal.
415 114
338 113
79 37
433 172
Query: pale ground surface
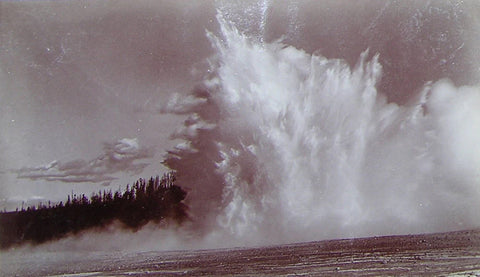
446 254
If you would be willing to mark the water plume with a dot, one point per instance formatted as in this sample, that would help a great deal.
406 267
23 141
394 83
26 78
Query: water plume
281 145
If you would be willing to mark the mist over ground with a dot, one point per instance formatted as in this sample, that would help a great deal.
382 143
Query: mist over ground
302 120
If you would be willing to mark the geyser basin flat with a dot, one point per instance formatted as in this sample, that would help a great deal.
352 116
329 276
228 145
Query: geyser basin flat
443 254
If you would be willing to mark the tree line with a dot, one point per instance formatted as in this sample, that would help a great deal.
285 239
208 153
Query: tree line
157 200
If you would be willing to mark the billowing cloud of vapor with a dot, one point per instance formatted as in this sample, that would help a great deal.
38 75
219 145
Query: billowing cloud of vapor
282 145
279 144
121 156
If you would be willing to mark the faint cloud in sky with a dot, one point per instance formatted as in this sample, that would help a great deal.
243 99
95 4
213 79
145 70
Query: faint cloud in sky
119 156
181 104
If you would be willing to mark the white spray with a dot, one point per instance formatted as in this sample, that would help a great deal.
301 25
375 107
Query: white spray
282 146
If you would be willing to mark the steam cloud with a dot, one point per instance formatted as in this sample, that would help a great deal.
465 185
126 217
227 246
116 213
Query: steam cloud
282 146
121 156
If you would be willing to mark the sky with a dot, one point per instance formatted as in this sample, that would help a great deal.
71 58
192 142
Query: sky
83 83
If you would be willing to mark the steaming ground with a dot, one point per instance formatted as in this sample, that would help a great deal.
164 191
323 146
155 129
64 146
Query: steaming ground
445 254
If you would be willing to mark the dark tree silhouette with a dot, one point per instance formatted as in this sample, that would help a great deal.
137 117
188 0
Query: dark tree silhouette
157 200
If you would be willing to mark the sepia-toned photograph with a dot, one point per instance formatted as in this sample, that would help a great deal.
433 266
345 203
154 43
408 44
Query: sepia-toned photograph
240 138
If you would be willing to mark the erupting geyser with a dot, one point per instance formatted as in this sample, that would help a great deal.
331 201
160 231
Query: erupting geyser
281 145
